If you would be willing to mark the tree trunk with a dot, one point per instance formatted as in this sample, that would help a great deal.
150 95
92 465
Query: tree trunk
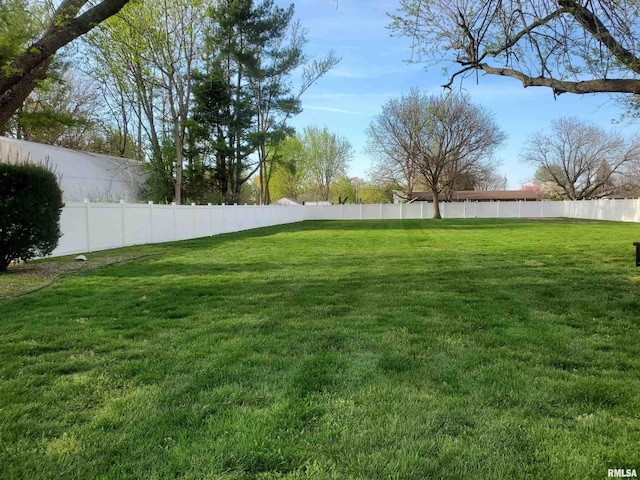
14 97
436 204
179 160
4 263
63 28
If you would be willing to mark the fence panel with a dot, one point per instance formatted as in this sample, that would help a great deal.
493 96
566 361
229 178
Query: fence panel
137 223
553 209
350 212
531 209
507 209
74 225
162 227
201 227
106 229
96 226
631 211
413 210
456 210
486 210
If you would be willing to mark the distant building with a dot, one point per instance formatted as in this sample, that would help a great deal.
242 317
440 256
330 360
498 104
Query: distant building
479 196
82 175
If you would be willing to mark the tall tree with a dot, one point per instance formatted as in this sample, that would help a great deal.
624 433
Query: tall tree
22 70
582 160
576 46
275 98
343 190
287 175
391 138
326 157
119 56
147 57
245 98
372 192
447 137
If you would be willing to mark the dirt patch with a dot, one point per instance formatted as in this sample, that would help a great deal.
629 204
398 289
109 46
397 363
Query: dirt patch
25 277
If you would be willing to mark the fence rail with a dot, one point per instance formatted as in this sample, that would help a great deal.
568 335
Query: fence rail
88 227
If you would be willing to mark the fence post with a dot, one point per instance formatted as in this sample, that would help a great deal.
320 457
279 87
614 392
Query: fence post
193 219
210 229
122 213
422 210
87 204
150 221
519 208
360 211
175 237
380 211
498 208
401 211
541 208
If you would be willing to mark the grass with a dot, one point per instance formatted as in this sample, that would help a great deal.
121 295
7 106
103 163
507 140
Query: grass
377 349
25 278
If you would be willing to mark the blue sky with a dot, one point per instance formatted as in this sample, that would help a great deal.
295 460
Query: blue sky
374 69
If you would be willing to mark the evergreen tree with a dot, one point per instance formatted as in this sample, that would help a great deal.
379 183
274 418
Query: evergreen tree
244 98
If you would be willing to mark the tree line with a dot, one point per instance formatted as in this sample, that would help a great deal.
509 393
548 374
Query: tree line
203 93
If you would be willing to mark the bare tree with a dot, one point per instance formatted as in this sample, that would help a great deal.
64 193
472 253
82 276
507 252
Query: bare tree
576 46
390 141
326 156
488 179
583 160
445 138
67 23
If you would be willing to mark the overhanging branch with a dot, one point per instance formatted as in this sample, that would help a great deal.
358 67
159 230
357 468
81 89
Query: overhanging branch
61 31
613 85
592 24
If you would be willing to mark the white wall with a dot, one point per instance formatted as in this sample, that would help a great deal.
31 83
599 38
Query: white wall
88 227
80 174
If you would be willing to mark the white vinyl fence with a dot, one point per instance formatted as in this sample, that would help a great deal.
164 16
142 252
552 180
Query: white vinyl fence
88 227
612 210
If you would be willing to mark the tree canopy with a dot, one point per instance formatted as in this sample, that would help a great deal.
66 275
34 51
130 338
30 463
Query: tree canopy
442 140
576 46
326 158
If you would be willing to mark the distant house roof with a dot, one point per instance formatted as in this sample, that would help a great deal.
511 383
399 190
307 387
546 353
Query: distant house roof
81 174
480 196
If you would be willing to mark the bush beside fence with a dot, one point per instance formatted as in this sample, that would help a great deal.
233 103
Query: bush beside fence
88 227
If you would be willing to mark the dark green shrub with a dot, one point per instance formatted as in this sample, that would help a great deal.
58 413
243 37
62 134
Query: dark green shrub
30 205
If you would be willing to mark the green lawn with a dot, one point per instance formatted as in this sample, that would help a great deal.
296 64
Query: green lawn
477 349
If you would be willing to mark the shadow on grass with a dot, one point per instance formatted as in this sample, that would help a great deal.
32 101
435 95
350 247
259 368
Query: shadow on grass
191 365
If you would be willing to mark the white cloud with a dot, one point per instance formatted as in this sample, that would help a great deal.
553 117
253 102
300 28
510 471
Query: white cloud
336 110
